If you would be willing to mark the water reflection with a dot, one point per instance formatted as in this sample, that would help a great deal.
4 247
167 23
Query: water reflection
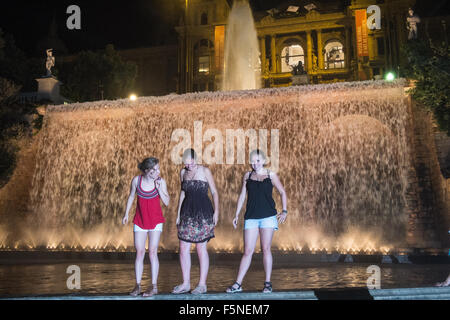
118 278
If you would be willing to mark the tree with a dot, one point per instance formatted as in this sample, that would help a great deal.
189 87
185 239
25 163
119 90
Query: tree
429 65
16 66
94 72
2 43
16 122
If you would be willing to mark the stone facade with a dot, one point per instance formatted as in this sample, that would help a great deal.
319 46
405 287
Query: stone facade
157 69
202 30
429 193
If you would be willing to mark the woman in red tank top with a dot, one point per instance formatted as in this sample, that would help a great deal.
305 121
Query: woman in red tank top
148 220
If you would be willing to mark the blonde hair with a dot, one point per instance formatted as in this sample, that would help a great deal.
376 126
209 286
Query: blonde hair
257 152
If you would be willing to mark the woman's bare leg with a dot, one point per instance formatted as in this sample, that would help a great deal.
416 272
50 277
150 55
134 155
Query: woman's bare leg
139 242
185 262
250 237
265 236
446 283
203 259
154 237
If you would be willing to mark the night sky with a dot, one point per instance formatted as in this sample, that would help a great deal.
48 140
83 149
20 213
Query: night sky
126 24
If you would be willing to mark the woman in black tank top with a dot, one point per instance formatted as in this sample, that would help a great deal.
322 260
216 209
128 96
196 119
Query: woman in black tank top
260 216
260 203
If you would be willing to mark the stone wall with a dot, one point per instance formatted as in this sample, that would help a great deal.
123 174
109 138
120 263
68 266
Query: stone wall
15 195
429 192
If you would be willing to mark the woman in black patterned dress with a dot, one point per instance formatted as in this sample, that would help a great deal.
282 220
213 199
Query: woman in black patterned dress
196 219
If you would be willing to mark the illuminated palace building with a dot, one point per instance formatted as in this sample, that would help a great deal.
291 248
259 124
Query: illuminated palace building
300 42
325 41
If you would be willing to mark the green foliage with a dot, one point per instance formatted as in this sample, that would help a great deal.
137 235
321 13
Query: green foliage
16 122
16 66
93 72
429 65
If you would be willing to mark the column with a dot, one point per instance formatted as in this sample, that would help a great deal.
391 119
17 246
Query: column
308 51
319 50
273 53
262 42
355 62
347 47
180 85
190 65
186 81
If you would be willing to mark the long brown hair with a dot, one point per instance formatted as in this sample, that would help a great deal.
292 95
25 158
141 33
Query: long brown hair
148 163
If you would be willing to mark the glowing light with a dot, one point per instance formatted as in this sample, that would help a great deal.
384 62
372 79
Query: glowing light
390 76
133 97
385 250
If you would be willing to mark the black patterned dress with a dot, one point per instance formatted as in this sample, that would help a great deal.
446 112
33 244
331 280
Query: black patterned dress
196 214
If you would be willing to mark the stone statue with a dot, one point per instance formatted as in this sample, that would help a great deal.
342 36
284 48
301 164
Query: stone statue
298 69
314 62
411 24
50 62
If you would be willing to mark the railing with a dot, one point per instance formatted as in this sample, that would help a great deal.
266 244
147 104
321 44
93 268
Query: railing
284 79
25 97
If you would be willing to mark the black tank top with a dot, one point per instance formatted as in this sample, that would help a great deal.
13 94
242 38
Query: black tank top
260 203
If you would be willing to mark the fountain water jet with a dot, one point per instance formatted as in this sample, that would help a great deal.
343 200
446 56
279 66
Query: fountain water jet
242 69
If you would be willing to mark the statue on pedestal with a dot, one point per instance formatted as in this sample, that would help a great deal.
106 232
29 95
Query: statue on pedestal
50 62
314 62
411 24
48 85
298 69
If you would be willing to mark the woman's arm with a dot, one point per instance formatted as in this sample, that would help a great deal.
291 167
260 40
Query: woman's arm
241 199
180 201
130 199
276 182
161 186
214 193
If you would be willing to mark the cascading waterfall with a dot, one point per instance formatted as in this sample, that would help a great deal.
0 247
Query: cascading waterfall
343 159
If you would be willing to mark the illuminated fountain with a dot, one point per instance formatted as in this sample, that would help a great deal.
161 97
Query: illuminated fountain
343 159
242 62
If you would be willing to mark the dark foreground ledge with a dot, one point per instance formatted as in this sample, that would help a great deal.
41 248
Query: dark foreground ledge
428 293
280 258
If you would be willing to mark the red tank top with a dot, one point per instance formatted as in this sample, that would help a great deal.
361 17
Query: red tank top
148 209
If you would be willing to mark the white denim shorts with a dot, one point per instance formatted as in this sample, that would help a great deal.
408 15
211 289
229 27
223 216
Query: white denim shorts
269 222
158 227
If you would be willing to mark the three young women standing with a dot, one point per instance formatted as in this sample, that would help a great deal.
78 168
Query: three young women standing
197 218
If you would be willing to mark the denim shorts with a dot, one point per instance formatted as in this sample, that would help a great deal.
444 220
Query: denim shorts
158 227
269 222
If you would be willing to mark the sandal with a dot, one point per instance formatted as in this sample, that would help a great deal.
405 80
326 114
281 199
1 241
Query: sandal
233 289
199 290
181 289
136 291
267 287
151 292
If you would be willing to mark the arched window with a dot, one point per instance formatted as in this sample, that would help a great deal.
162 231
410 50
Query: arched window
334 55
202 56
203 64
204 19
291 55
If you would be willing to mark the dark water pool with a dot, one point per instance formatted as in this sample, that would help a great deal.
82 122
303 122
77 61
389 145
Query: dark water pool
118 277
